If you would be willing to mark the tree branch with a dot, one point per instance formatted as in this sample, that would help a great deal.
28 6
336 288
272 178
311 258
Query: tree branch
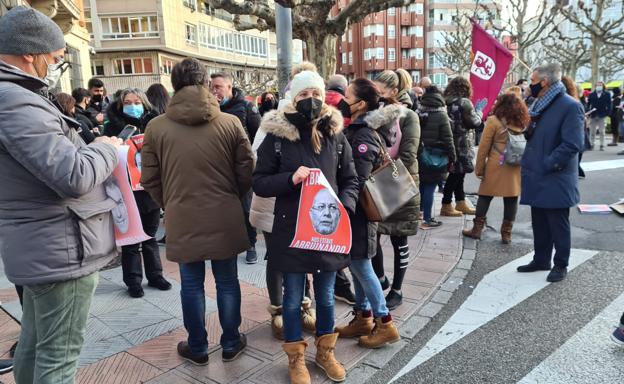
257 8
357 10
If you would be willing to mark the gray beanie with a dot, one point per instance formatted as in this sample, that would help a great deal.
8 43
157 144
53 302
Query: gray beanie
27 31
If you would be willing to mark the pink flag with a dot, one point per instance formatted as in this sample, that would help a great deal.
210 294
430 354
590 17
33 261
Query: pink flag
490 64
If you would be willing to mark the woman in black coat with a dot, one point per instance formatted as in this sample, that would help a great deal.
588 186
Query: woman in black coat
133 108
371 131
303 135
435 132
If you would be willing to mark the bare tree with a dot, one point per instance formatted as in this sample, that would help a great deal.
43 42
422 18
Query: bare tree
524 31
589 18
312 22
455 45
571 52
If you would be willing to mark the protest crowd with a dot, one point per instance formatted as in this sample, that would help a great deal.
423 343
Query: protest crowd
383 148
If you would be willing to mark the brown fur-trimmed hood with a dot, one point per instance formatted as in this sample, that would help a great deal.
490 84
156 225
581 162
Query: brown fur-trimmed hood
276 123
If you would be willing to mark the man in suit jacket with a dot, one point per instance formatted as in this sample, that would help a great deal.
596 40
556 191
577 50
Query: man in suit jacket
600 100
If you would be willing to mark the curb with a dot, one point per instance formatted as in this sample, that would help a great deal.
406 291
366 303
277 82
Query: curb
378 358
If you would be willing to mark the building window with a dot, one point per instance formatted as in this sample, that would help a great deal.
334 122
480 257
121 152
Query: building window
380 53
366 31
350 58
431 14
167 66
404 53
391 11
391 31
404 31
190 34
137 65
367 54
440 79
350 35
419 8
391 55
344 58
379 29
344 37
419 31
75 74
97 68
416 76
129 27
192 4
232 41
419 53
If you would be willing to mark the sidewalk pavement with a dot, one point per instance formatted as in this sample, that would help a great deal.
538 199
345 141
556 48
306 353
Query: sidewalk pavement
134 340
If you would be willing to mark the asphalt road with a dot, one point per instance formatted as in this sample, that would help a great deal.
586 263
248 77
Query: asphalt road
557 335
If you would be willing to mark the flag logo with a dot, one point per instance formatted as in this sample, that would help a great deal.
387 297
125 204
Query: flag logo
483 66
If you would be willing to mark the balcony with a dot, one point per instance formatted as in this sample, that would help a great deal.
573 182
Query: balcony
412 41
63 12
374 64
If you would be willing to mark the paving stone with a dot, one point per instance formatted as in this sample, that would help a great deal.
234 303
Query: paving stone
464 264
413 326
459 274
144 334
423 277
430 309
161 351
348 352
221 372
114 275
470 244
451 284
14 308
93 352
140 315
254 307
442 297
173 377
414 292
360 374
469 254
109 298
9 328
8 294
432 265
378 358
406 309
120 368
96 330
261 339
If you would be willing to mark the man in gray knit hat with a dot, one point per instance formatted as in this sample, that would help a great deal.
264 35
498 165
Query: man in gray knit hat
56 228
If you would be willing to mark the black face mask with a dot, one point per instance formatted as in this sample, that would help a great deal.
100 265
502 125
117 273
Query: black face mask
344 108
536 89
96 99
310 108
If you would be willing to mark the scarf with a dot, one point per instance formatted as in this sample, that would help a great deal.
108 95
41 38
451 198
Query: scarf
544 102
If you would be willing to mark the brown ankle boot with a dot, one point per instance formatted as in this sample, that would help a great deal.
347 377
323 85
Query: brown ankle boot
506 231
462 207
296 362
308 315
358 326
477 228
383 333
326 360
449 211
277 321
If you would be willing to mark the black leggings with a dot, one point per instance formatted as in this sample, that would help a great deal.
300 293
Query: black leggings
511 206
274 280
454 186
401 260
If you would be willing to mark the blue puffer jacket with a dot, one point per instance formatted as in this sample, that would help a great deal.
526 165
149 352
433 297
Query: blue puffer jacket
550 161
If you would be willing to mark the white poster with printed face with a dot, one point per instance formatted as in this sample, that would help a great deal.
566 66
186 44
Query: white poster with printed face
323 222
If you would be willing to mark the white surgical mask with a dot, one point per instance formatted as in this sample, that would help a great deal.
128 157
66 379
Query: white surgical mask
54 73
599 89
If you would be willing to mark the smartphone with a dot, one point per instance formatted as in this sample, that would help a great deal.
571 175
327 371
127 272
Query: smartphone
127 132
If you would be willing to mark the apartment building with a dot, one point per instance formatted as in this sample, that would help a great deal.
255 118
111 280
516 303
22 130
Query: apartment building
443 17
391 39
138 42
69 15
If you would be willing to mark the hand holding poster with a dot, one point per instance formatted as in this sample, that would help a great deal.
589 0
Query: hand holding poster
323 222
128 226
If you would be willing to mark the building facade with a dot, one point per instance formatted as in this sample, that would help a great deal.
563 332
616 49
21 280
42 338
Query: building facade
138 42
390 39
69 15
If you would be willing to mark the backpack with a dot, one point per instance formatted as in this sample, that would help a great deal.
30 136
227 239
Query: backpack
463 142
431 159
514 148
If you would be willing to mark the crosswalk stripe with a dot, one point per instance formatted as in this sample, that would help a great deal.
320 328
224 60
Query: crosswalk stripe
596 358
498 291
602 165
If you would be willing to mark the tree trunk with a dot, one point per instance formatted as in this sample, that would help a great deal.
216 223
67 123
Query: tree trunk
521 57
595 52
321 49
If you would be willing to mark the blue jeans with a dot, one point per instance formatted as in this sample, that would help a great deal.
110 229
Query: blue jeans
426 199
294 285
192 277
368 292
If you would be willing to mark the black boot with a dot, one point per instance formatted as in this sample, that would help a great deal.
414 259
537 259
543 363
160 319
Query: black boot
532 267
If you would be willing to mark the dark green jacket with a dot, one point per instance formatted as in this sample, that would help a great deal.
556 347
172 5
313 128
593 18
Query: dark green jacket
435 132
405 221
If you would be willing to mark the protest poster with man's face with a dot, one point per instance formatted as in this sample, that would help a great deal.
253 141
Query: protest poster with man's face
322 223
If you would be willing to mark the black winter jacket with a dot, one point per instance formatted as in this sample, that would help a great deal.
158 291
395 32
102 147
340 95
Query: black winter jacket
273 178
364 135
248 115
435 132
